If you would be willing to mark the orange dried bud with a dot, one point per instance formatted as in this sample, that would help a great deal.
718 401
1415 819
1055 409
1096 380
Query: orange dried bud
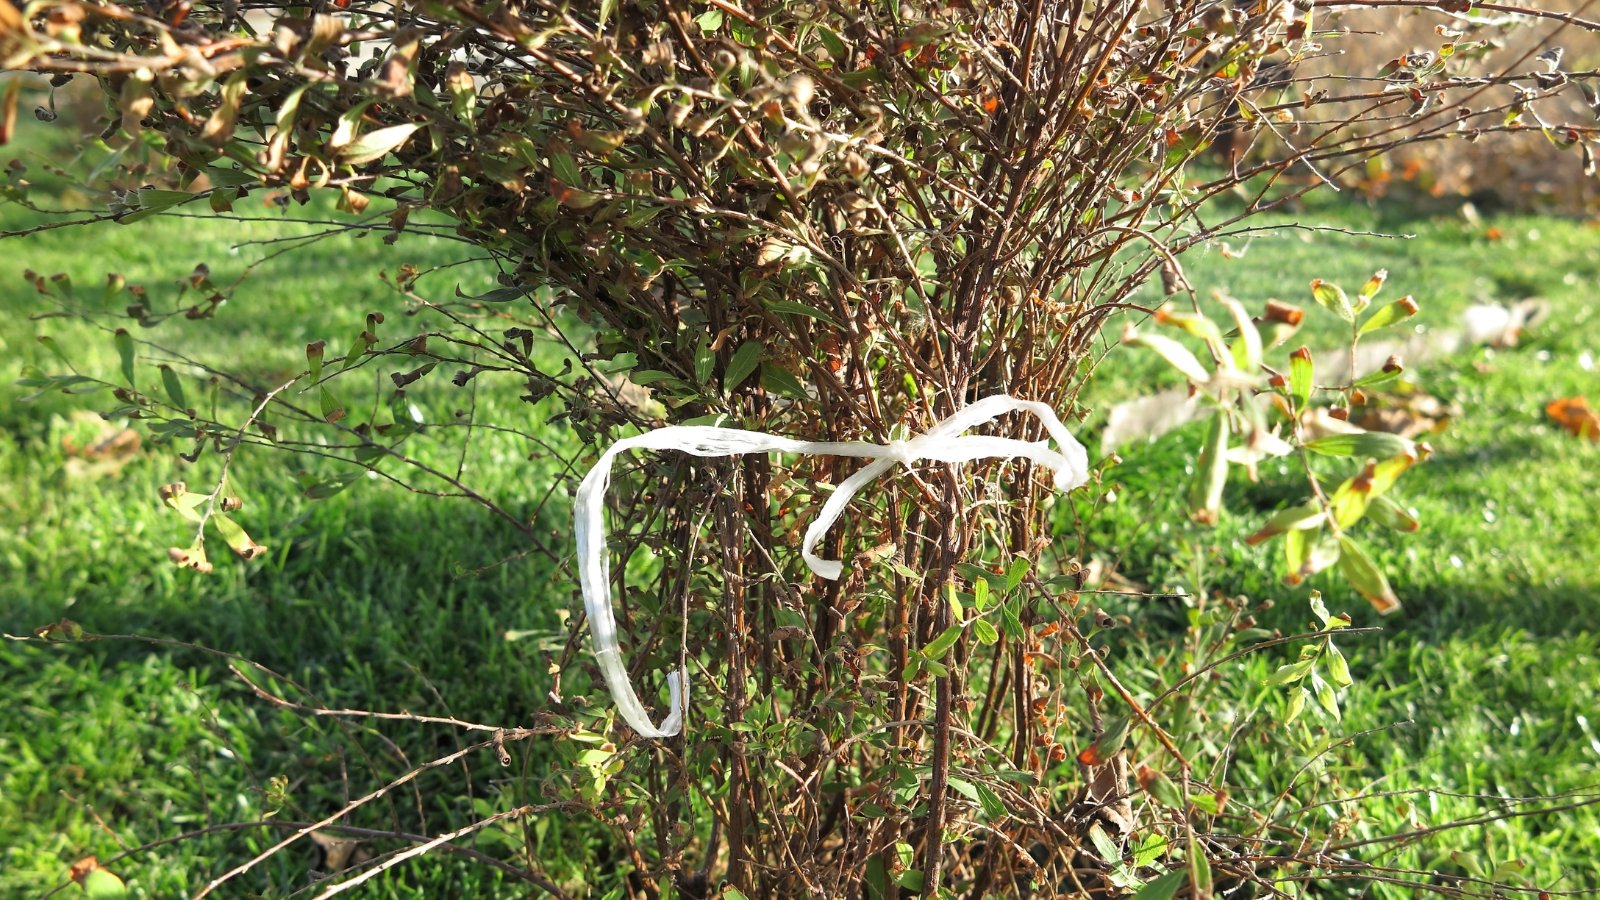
1303 353
1392 364
1285 313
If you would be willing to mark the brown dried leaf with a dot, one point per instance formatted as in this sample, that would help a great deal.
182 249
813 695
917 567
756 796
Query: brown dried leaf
1574 414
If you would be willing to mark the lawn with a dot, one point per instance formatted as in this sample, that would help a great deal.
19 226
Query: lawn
1472 700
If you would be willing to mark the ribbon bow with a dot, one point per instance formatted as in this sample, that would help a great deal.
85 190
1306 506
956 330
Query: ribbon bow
945 442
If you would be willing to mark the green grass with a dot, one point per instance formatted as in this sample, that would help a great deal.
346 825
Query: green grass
374 598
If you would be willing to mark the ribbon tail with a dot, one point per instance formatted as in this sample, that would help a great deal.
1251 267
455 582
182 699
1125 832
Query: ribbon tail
831 510
589 522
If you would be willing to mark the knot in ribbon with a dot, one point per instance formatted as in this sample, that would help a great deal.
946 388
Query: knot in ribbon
945 442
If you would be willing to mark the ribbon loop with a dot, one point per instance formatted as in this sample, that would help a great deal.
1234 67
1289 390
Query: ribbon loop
945 442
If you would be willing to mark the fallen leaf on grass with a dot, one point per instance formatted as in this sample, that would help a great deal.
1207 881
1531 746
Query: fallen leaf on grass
1574 414
337 854
95 447
1407 414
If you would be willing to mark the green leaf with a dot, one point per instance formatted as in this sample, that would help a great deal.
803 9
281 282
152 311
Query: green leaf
965 788
1507 869
1290 673
237 539
1390 514
742 364
1246 348
1199 870
877 878
1164 888
124 342
1010 620
800 309
1117 729
173 386
912 669
100 884
1301 371
1469 863
1297 704
1176 354
1372 287
993 807
1325 697
1332 298
709 21
779 381
1211 473
1338 667
1104 845
980 594
1349 502
1382 376
314 352
1302 517
332 409
1296 551
646 377
1398 311
1161 789
984 632
45 339
1367 444
1020 567
184 503
358 349
1386 473
151 201
322 490
705 361
937 647
1195 324
1365 576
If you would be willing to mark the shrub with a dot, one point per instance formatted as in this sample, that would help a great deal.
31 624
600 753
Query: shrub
831 222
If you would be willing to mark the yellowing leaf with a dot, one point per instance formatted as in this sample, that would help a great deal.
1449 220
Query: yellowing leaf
376 145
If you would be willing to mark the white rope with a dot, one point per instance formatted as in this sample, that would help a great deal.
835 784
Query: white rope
945 442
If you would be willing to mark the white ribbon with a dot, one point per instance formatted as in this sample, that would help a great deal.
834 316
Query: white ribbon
943 443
